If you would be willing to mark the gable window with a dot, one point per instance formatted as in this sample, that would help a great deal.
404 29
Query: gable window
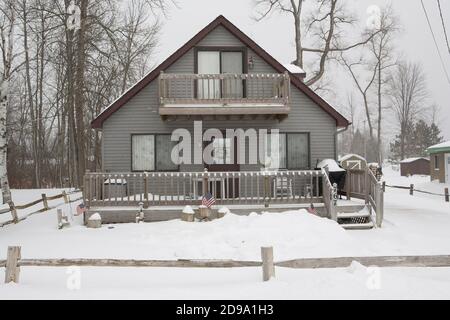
143 152
220 61
292 154
152 152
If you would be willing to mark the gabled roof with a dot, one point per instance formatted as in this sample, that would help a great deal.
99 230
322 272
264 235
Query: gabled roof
341 121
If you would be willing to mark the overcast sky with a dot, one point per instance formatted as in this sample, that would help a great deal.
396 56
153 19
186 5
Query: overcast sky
275 34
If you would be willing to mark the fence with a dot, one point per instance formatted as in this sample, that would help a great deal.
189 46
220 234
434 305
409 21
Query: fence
14 262
187 188
412 189
44 200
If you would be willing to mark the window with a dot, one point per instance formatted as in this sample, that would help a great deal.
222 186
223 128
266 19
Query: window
220 62
143 152
152 152
298 151
275 159
293 151
164 147
436 162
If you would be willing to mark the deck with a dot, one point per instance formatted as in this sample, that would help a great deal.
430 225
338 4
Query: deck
119 197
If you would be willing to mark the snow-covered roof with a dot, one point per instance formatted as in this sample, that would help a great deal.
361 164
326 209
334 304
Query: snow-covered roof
332 165
409 160
351 155
440 147
292 68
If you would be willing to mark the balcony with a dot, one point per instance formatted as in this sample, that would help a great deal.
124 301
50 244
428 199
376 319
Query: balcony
224 94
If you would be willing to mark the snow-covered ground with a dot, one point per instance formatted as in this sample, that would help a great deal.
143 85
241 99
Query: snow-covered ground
416 224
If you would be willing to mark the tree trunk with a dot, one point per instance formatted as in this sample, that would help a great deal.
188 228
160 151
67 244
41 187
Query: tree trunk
79 94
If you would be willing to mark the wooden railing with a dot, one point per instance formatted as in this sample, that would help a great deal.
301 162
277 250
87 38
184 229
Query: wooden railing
362 184
329 195
193 89
187 188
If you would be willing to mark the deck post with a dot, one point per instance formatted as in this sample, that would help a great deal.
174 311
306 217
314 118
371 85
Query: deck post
146 190
267 263
367 186
266 190
348 182
205 186
12 271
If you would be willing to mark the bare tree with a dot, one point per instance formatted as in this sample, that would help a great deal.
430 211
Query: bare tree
381 46
7 23
408 93
324 27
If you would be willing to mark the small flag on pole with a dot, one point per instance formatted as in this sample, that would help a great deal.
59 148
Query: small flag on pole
81 208
208 200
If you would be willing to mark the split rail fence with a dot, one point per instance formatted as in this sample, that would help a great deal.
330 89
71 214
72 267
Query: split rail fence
14 262
13 208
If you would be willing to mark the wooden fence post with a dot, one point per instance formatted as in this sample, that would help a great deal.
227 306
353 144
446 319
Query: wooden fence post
267 263
447 197
65 197
411 189
383 186
12 269
12 207
45 201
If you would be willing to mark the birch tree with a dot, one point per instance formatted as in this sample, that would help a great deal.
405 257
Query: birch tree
7 23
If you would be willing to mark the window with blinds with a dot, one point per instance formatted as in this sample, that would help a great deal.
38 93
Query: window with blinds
143 152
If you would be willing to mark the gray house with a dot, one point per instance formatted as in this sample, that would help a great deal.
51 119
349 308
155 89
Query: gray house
222 80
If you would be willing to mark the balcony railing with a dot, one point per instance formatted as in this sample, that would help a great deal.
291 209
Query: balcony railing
230 90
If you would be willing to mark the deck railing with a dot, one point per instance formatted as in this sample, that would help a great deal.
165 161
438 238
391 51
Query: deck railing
362 184
195 89
187 188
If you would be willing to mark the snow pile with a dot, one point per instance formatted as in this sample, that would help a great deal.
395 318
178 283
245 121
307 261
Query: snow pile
95 217
188 210
293 234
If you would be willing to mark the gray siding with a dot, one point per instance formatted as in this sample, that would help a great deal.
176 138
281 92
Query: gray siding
140 115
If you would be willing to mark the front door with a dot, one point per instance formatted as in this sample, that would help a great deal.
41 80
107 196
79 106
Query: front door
224 160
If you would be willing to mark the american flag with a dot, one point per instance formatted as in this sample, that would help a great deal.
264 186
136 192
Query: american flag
81 208
208 200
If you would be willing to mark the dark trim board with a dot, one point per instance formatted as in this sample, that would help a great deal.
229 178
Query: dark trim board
97 123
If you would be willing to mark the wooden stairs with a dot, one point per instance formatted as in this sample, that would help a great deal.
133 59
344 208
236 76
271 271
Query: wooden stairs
356 220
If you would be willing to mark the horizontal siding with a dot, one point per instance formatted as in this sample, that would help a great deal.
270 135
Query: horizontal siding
140 115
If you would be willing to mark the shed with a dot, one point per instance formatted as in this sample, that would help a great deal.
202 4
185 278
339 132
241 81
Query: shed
440 162
353 161
412 166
